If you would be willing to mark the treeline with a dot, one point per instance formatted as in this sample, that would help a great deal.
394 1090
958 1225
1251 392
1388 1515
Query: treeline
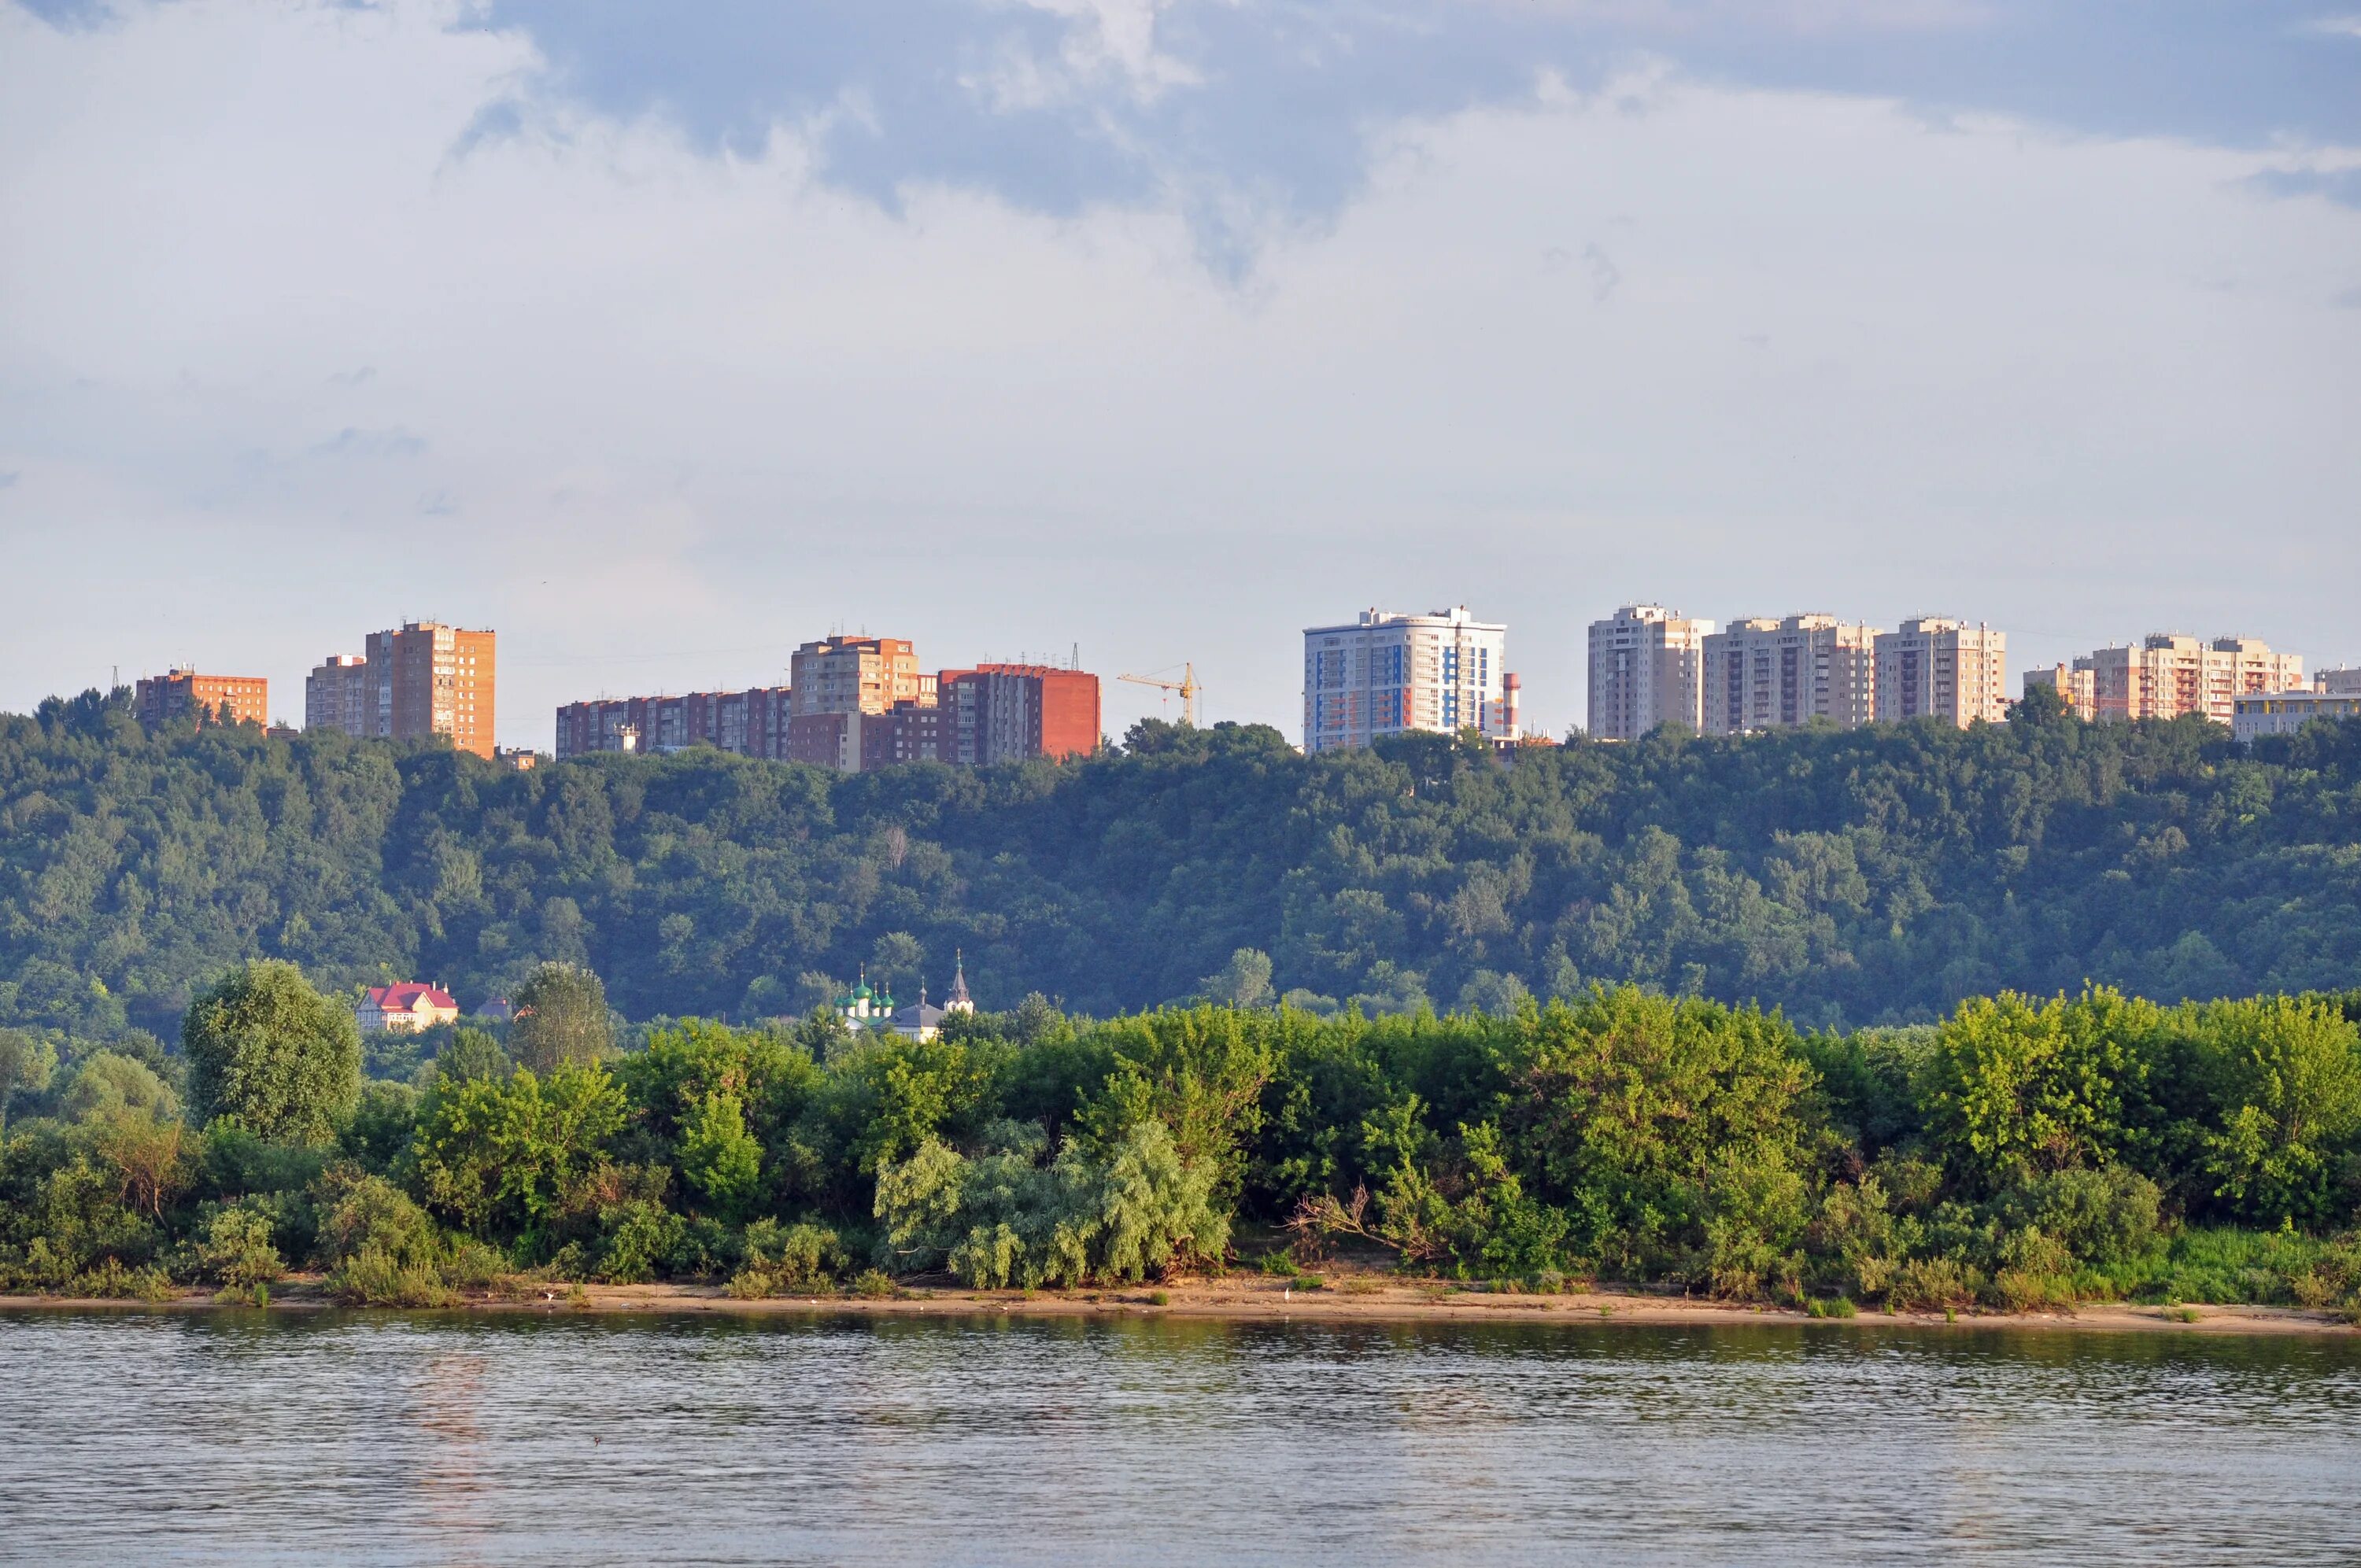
1847 877
2022 1152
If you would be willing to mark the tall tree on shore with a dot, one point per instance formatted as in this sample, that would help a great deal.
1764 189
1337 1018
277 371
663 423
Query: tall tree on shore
26 1063
561 1017
267 1050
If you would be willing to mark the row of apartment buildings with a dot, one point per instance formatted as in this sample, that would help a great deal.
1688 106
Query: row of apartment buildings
1649 666
418 681
857 703
2166 675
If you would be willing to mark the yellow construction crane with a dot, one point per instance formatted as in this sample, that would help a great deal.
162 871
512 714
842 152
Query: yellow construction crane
1186 686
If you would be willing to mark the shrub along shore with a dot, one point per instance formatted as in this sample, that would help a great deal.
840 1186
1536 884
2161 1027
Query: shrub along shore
2025 1153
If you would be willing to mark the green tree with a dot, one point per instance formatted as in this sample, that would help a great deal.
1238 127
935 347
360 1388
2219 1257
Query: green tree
2016 1085
272 1053
471 1054
26 1063
561 1017
106 1084
2288 1074
717 1156
1652 1118
498 1159
1243 982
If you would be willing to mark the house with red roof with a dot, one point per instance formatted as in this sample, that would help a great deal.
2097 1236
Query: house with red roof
405 1008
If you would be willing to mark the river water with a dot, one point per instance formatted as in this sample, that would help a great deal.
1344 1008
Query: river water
425 1437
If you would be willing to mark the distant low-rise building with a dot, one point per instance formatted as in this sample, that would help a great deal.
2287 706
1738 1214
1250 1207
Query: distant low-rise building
405 1008
2338 683
750 723
158 699
2284 713
1936 668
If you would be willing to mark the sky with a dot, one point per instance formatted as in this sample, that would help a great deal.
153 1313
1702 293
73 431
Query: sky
662 337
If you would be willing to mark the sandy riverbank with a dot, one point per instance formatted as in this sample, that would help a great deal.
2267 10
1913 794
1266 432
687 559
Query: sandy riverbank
1257 1298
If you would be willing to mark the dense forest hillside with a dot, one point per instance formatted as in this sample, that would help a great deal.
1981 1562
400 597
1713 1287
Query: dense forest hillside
1849 878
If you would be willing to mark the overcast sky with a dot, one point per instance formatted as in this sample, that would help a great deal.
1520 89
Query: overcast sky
661 337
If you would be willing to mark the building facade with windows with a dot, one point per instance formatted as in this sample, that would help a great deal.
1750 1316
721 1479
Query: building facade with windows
1007 713
159 699
2170 674
750 723
337 695
420 680
1386 673
404 1009
1646 669
2284 713
1936 668
1765 673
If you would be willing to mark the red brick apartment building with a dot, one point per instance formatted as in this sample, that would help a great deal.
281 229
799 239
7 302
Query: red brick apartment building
160 698
419 681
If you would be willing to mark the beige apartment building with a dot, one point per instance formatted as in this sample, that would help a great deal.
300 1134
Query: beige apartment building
1936 668
856 675
1762 674
1647 668
2169 675
2077 685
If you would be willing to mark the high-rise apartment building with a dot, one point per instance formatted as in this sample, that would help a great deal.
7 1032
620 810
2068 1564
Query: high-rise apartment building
2168 675
420 680
1762 674
340 694
1004 713
846 690
1384 674
1934 668
1646 666
752 723
160 698
856 675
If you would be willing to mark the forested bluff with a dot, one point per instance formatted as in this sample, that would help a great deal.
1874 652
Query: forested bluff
1722 1018
1875 876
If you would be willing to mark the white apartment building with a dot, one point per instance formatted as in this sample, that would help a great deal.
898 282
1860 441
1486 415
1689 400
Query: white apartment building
1646 665
1762 674
1934 668
1386 673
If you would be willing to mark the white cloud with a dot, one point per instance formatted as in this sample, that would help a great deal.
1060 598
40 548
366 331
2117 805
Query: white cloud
659 415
